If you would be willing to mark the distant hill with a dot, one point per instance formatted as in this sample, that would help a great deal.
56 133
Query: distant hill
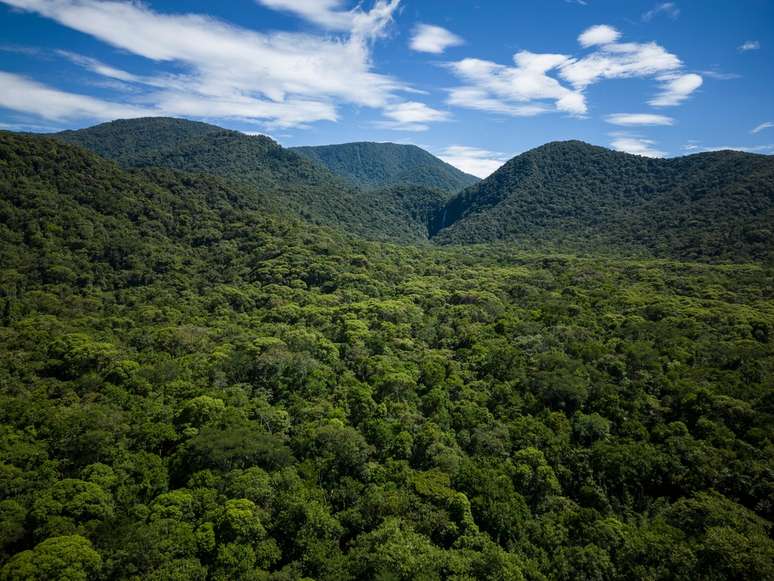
565 196
286 181
376 165
571 195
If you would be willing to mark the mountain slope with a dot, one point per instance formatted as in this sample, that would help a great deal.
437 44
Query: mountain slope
192 388
717 206
375 165
287 181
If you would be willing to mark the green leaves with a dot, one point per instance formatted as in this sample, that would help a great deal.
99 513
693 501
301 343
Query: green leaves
69 558
219 393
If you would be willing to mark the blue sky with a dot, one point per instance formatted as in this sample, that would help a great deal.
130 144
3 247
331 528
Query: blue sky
474 82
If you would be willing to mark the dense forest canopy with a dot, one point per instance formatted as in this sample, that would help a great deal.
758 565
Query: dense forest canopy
573 196
378 165
198 386
285 181
562 197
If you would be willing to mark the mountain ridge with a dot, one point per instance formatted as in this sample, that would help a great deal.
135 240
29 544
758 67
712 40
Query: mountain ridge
288 182
371 164
565 195
713 205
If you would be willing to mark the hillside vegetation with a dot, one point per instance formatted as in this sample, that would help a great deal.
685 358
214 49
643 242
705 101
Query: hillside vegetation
564 196
378 165
195 389
574 196
287 182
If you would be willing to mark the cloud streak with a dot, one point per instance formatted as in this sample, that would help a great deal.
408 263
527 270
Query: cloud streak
668 9
411 116
22 94
636 146
676 89
638 119
234 72
749 45
472 160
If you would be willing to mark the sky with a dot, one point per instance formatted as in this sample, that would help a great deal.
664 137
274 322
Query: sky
473 82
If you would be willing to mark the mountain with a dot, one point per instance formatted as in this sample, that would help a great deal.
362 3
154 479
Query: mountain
565 196
194 388
377 165
286 181
571 195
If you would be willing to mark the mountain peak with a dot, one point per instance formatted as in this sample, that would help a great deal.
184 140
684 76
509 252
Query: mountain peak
372 164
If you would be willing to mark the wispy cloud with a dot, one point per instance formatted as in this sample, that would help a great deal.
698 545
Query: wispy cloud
329 14
411 116
669 9
676 89
749 45
514 90
638 119
720 76
433 39
101 68
234 72
472 160
544 82
636 145
22 94
762 126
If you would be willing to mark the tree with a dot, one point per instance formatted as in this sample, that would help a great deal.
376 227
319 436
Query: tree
69 558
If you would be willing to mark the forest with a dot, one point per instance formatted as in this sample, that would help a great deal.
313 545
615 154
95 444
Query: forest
194 387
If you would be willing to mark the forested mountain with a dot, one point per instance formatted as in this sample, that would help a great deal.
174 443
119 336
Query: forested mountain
286 181
377 165
193 388
571 195
565 196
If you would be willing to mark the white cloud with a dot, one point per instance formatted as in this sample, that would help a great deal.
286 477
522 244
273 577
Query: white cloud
433 39
22 94
720 76
749 45
326 13
642 119
669 9
534 85
514 90
599 34
99 67
235 72
411 116
619 61
676 89
637 146
26 127
762 126
472 160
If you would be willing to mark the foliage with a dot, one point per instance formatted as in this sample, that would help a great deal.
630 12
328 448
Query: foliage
379 165
281 179
572 196
193 388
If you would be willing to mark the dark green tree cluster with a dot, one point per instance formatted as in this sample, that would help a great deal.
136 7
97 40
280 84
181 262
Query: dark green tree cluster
378 165
561 197
284 181
571 196
192 388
